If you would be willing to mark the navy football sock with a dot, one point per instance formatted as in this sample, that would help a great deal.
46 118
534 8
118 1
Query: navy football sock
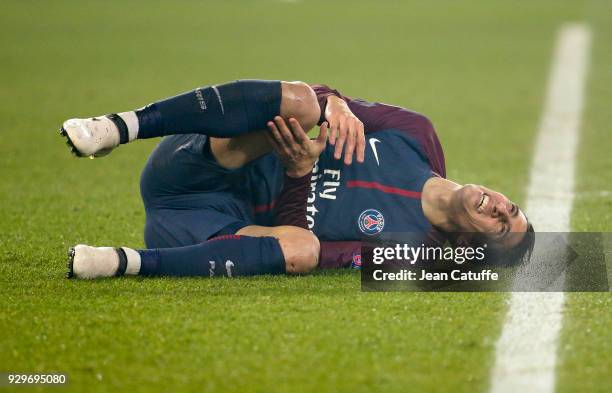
228 255
222 111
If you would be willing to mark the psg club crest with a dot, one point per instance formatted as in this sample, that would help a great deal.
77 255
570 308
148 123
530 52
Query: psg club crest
371 222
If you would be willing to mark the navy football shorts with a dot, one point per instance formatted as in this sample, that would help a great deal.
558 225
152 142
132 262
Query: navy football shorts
189 197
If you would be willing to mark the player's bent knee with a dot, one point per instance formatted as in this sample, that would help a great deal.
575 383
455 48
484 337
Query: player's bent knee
304 259
301 250
300 101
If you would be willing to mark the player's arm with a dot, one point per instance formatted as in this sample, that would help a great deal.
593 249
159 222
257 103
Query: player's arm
376 116
346 129
350 119
299 154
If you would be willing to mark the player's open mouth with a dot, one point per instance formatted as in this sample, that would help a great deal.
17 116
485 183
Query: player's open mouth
482 203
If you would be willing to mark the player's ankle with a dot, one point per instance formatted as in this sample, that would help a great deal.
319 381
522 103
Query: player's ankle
133 261
126 124
98 262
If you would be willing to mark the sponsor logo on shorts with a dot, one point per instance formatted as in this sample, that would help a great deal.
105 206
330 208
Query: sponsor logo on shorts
371 222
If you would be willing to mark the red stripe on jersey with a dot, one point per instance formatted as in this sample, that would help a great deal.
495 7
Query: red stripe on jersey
225 237
264 208
383 188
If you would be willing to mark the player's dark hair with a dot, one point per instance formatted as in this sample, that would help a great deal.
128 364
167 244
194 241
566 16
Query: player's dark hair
516 255
497 254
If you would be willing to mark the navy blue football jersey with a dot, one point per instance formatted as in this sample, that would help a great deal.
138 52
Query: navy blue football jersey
380 195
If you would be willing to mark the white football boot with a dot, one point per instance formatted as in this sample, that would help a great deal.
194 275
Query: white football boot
97 262
93 137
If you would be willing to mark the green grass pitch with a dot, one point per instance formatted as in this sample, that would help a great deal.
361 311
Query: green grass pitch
477 69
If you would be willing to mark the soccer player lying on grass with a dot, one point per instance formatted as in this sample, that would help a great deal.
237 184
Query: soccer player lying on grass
236 187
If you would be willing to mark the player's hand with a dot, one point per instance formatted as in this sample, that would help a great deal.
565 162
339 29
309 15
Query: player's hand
297 151
346 130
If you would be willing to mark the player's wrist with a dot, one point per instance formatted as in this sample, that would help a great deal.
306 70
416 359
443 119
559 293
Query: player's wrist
297 176
335 104
297 171
336 108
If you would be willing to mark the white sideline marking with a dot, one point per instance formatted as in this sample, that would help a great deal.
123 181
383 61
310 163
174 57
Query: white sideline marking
526 351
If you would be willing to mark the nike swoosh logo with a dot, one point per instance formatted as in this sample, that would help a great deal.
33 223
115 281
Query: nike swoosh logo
373 146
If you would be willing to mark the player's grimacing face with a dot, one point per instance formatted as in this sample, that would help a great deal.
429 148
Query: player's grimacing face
480 209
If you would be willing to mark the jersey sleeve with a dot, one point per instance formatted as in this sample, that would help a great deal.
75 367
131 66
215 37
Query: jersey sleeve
377 116
291 203
337 255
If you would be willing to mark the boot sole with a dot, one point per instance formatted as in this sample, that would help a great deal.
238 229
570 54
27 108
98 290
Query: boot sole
70 264
69 143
